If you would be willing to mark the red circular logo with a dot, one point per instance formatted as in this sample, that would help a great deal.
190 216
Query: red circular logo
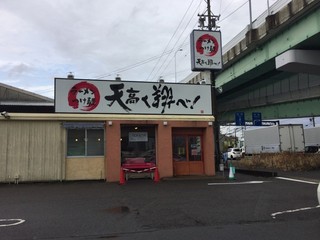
84 96
207 45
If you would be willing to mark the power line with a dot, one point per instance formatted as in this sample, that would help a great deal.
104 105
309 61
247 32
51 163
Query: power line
140 63
227 6
177 42
170 40
129 67
234 11
165 52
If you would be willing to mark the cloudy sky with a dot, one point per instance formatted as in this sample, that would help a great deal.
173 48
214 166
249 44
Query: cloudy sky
137 39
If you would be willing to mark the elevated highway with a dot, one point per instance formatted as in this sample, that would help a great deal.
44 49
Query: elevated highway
275 67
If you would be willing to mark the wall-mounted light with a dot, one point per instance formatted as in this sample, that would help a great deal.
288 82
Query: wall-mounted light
110 123
210 124
219 90
165 123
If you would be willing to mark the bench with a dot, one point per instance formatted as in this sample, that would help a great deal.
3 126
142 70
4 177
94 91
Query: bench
138 165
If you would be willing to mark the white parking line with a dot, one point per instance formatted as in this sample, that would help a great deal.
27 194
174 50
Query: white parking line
297 180
236 183
15 222
273 215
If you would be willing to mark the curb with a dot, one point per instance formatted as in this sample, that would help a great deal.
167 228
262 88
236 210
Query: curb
195 177
255 172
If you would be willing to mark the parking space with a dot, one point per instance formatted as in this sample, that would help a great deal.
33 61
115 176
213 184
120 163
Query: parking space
93 210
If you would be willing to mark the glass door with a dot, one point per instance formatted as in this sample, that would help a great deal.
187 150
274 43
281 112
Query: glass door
138 144
194 146
187 155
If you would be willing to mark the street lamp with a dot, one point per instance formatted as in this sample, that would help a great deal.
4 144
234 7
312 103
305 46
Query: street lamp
175 64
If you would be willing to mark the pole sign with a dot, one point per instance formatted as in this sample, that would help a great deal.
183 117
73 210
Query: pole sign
206 52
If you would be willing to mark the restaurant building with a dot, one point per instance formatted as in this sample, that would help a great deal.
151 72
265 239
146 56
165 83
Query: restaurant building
93 127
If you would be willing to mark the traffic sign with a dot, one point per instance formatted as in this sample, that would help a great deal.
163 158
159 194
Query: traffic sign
256 119
240 121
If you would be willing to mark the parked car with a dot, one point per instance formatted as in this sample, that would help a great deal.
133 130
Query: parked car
243 151
234 153
312 149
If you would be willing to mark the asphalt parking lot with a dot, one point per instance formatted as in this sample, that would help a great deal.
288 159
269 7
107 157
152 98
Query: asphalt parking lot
248 207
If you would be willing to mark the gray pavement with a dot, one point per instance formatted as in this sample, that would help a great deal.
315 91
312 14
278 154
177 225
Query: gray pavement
311 175
176 208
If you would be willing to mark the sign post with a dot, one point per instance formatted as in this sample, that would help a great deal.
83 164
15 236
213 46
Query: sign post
206 54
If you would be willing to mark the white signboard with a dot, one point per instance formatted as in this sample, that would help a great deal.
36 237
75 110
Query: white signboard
206 50
138 136
116 97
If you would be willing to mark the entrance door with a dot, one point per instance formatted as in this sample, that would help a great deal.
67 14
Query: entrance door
187 155
138 144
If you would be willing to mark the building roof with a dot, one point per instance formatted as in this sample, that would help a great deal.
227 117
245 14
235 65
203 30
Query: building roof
14 99
13 94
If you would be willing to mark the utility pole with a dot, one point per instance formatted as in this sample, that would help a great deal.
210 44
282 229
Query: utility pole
268 5
206 55
209 15
250 14
216 130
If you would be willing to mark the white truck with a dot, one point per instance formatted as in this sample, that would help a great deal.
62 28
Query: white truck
274 139
312 140
312 136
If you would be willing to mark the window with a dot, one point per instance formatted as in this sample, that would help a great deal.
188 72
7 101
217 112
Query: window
187 148
138 142
85 142
76 142
179 148
194 146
